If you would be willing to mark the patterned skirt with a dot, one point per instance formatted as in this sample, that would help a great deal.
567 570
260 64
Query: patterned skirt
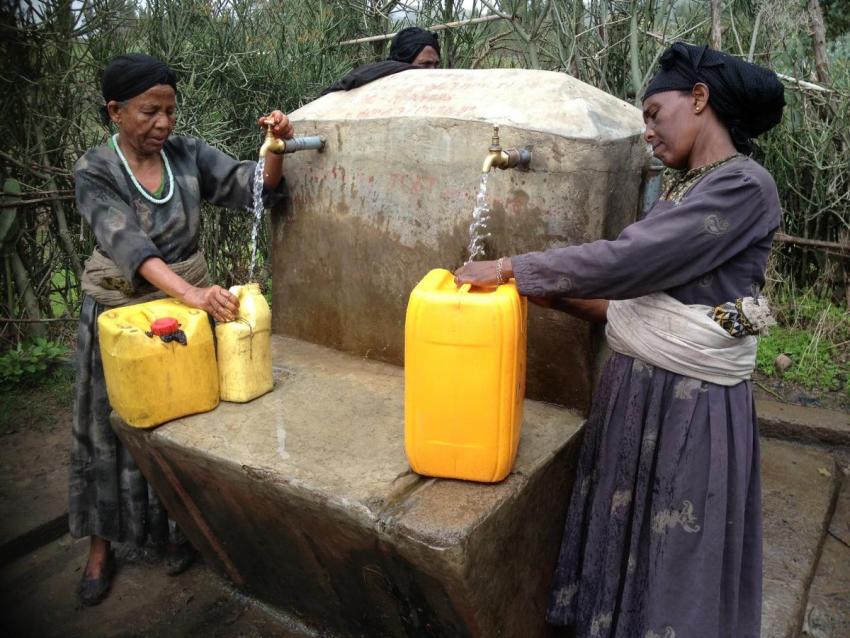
108 496
663 534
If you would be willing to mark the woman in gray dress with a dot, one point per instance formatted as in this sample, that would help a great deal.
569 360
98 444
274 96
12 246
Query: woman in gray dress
141 193
663 531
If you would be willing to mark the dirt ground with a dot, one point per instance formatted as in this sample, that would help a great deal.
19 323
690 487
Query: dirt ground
776 389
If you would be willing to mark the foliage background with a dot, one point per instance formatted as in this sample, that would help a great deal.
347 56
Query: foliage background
237 59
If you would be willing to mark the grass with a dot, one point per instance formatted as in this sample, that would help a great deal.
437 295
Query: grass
814 365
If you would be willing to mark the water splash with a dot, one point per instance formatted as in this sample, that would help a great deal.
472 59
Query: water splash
480 216
258 213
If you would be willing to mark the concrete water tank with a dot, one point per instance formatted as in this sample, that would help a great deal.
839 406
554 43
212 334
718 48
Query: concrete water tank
392 195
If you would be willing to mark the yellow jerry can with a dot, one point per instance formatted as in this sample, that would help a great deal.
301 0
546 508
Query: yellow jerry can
158 360
464 378
244 348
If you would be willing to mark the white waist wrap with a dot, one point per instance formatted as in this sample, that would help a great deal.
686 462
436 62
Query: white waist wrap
659 330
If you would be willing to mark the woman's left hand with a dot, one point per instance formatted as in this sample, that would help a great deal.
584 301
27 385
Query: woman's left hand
484 273
280 124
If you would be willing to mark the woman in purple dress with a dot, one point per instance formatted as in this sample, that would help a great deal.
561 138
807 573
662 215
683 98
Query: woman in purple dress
663 533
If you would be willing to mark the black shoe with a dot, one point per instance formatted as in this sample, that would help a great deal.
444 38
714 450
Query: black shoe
179 559
92 591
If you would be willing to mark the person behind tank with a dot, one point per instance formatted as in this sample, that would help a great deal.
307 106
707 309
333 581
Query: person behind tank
663 533
411 48
141 194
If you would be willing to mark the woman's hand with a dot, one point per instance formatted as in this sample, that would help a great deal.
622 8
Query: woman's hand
280 125
219 302
484 273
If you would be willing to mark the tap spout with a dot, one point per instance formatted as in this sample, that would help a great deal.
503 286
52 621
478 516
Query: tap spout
494 158
271 143
508 158
505 158
278 146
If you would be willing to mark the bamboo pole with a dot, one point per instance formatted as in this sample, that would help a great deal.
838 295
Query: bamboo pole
829 246
436 27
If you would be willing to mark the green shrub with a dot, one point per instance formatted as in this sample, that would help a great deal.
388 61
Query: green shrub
30 359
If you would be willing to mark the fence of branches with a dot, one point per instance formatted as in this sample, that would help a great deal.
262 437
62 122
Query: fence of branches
237 59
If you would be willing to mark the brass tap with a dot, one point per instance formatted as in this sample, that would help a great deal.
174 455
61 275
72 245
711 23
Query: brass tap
504 159
272 143
495 155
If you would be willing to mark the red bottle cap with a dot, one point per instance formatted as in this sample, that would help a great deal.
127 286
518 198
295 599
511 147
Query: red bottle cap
165 326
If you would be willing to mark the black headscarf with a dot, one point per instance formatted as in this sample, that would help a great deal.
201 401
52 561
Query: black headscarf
132 74
409 42
368 73
747 98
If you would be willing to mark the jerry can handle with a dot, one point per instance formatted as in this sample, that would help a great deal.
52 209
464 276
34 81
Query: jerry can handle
465 288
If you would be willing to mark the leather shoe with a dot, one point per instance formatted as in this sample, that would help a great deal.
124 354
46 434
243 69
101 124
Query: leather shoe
92 591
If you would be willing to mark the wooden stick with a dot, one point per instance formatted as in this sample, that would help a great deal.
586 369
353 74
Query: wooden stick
23 202
49 320
805 85
436 27
815 243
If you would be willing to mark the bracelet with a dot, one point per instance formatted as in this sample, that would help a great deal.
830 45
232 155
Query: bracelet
500 277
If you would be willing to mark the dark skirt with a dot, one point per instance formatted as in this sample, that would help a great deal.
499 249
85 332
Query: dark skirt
663 534
108 496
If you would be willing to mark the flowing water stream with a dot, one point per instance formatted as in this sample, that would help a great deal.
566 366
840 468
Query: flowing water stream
480 216
258 213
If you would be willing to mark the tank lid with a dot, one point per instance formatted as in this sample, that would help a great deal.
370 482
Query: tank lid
165 326
544 101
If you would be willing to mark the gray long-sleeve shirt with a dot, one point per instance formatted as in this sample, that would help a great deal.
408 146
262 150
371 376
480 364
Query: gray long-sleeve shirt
129 229
709 248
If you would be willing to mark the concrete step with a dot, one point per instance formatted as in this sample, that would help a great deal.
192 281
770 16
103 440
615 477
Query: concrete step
807 424
39 599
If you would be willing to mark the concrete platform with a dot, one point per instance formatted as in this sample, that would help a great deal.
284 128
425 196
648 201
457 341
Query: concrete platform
809 424
304 498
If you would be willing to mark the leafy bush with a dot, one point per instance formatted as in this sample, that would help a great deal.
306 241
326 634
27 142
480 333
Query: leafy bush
30 359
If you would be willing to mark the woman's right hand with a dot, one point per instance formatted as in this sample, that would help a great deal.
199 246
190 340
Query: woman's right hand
219 302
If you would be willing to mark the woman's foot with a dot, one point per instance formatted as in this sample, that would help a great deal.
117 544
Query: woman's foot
178 558
97 576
